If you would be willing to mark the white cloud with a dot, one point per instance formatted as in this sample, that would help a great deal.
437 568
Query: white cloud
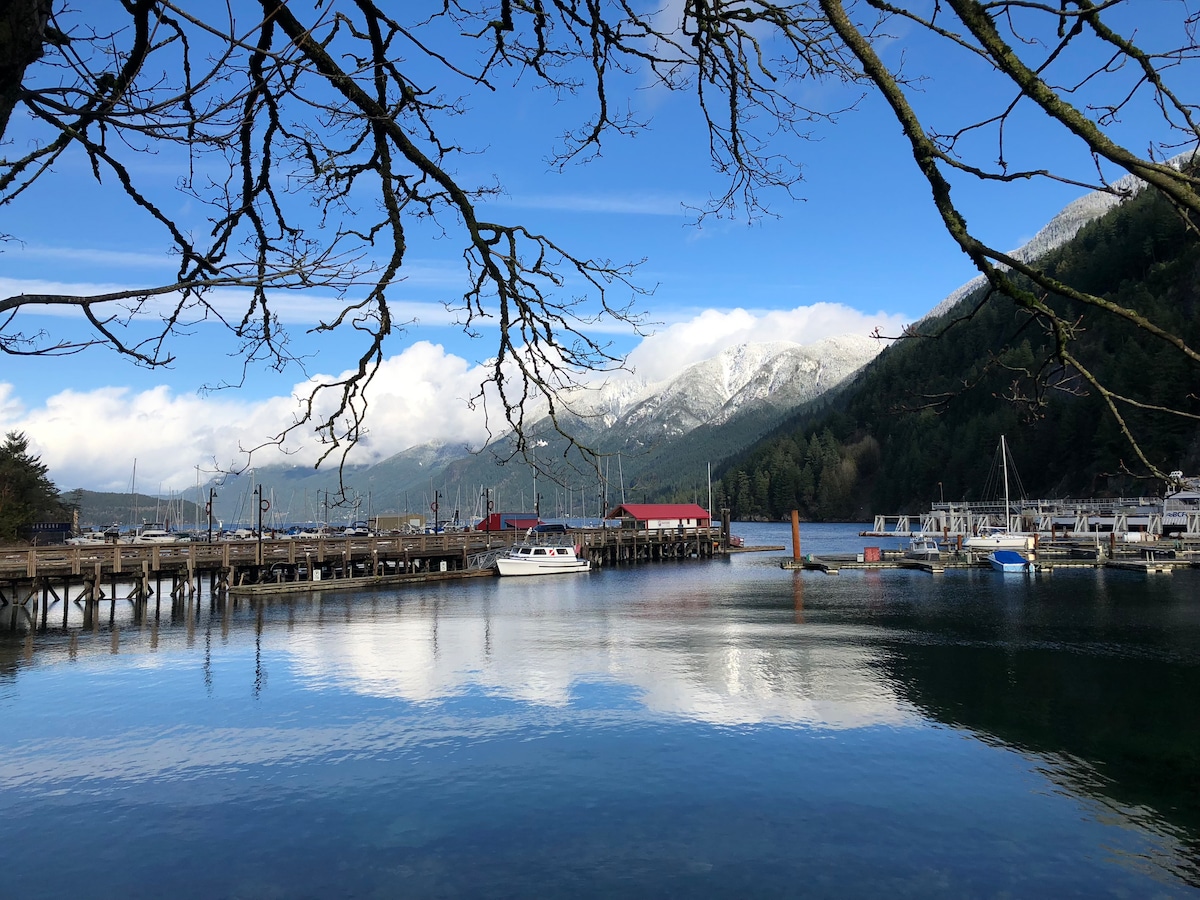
640 204
92 256
292 307
11 408
90 438
683 343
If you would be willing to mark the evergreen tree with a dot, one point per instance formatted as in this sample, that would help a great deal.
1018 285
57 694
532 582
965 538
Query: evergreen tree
27 494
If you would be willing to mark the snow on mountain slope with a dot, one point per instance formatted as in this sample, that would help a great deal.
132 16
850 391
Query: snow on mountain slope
1059 230
779 374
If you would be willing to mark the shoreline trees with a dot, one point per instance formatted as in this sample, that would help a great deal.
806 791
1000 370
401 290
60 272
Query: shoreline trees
27 495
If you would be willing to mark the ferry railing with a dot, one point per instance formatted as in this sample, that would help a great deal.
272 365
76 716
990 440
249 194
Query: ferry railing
1026 506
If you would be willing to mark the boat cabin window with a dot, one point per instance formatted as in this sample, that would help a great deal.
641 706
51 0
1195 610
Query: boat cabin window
525 551
539 552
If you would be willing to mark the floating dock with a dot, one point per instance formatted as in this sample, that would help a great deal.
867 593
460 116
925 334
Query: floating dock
1133 518
1149 561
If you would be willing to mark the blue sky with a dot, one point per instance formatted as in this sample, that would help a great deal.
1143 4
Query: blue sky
863 247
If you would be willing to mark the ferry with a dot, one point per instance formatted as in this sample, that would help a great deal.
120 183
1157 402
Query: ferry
1181 505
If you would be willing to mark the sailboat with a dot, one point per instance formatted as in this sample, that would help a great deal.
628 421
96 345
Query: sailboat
1002 538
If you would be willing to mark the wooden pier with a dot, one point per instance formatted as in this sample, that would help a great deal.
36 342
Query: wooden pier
136 572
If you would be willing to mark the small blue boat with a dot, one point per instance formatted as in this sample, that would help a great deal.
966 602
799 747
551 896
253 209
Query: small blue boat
1008 561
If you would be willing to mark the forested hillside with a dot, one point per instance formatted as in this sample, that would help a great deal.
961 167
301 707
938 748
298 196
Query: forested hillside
99 510
924 419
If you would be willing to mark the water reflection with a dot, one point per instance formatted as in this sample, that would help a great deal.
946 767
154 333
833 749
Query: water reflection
994 736
1109 700
682 656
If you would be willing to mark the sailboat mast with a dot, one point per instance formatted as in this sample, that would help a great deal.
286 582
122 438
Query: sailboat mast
621 475
1004 464
710 492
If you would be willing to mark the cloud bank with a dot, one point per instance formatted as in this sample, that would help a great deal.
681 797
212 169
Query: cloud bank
684 343
90 438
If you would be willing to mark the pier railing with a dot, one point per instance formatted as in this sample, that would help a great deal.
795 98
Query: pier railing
1120 514
120 558
127 559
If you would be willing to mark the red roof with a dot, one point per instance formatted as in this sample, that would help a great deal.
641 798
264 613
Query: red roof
644 511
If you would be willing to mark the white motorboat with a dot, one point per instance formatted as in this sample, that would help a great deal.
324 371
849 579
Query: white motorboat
541 559
153 534
89 538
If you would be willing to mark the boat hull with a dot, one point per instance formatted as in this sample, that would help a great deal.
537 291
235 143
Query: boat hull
526 559
1003 541
1008 561
507 565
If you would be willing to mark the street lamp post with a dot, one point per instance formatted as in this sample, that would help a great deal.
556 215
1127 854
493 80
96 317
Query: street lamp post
263 506
208 508
537 505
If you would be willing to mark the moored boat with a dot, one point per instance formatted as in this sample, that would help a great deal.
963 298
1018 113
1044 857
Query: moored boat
998 539
153 533
91 537
1008 561
541 559
1181 505
923 547
1003 538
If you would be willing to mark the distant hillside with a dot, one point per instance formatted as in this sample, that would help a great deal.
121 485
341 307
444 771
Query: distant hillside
923 420
99 510
659 438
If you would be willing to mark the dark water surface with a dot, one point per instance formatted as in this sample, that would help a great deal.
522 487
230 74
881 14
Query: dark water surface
692 729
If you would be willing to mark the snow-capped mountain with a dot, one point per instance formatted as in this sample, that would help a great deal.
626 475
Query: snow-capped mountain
778 374
1059 230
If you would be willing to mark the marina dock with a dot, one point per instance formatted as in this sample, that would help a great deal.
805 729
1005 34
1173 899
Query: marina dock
137 572
1146 560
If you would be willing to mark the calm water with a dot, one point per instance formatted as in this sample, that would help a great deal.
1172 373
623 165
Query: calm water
681 730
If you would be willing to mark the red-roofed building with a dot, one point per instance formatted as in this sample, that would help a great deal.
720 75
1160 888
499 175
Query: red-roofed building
663 515
508 522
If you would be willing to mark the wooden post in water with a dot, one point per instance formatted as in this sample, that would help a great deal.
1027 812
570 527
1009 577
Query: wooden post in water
796 535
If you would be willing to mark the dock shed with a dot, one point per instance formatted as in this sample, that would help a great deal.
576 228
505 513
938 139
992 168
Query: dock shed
663 515
509 521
